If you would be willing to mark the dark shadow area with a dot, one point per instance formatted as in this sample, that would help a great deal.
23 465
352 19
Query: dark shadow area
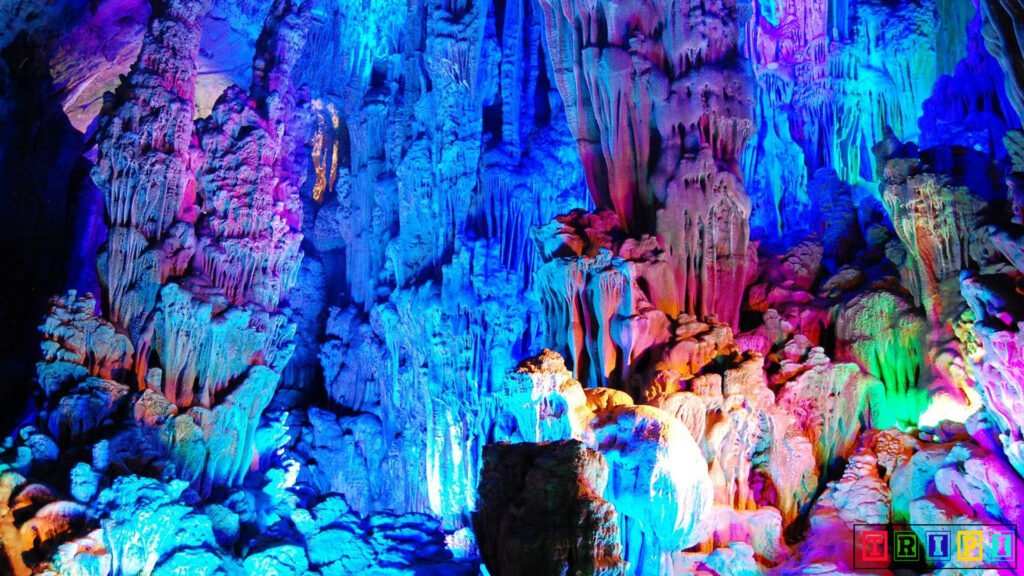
41 175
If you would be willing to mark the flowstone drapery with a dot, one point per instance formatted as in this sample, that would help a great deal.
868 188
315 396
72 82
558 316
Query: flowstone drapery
411 286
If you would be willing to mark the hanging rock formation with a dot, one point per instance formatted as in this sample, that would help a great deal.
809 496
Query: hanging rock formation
413 287
428 270
658 101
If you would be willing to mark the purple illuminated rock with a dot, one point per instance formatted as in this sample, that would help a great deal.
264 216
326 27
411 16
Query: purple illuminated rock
143 167
660 107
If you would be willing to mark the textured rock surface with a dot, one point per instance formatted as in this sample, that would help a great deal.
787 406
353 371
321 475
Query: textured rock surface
142 168
660 109
378 279
882 333
541 512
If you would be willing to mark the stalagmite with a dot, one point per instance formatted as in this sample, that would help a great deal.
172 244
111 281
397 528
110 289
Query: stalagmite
144 166
551 489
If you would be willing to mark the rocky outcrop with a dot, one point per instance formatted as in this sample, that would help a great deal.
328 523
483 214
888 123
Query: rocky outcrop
996 362
764 452
882 333
939 226
200 291
657 478
78 343
540 511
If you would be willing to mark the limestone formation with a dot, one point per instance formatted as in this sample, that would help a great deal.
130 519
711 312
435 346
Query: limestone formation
659 104
441 287
144 168
541 511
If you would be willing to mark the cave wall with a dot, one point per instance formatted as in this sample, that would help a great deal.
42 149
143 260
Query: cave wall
620 288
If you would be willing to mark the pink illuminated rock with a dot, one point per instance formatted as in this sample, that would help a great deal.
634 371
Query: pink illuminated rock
204 241
861 495
661 112
143 167
963 483
792 466
997 362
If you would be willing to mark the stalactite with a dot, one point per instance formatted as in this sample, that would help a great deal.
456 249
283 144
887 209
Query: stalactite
661 121
1004 43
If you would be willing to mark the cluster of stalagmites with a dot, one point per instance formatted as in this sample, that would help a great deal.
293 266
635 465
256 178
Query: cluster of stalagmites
140 525
782 430
716 454
202 242
920 318
136 463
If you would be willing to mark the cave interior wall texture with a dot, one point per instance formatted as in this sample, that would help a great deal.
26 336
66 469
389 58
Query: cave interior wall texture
616 287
